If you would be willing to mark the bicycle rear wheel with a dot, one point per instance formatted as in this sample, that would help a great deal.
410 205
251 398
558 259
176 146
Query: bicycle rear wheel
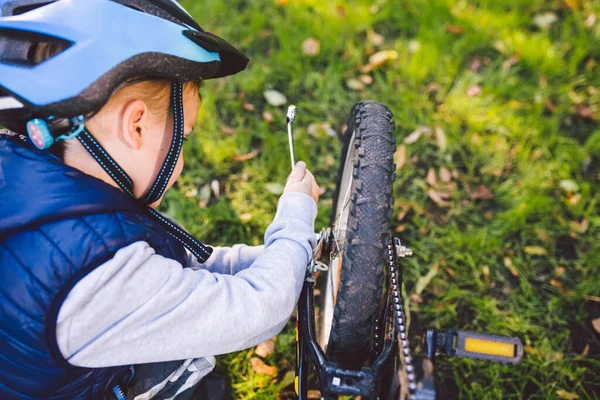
352 296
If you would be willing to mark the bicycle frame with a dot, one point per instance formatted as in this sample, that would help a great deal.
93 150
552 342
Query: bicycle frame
333 380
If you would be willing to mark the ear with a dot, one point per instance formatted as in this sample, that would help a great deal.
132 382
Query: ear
134 123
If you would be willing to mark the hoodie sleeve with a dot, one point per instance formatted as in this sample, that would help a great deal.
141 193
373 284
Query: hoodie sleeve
140 307
228 260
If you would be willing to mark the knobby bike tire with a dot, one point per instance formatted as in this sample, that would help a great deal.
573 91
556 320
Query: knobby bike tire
360 290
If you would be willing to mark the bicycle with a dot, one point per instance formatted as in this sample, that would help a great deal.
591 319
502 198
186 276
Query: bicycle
362 344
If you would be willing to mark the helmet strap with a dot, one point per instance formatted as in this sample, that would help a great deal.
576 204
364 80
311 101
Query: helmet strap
160 184
201 251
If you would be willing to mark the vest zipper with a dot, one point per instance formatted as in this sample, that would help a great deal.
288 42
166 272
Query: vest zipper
119 393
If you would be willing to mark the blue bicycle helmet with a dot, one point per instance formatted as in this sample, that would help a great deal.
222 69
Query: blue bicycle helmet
101 43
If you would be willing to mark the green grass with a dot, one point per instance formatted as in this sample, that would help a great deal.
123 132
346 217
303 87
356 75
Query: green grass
525 263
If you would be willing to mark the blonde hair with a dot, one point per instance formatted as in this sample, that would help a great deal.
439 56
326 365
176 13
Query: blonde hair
156 93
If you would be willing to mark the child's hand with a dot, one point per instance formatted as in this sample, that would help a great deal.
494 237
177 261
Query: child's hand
301 180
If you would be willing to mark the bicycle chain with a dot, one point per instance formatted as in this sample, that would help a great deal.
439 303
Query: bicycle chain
400 318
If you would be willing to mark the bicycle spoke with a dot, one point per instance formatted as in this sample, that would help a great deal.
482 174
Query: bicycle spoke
345 204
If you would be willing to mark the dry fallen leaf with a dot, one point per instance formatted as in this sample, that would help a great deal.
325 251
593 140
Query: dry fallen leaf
590 21
481 192
403 211
414 46
432 87
416 134
476 64
586 351
204 196
267 116
485 271
596 324
557 285
415 298
585 112
246 157
440 138
314 394
400 157
453 29
450 271
311 47
355 84
260 367
275 188
511 267
437 198
563 394
366 79
228 130
275 98
375 38
245 217
580 227
569 185
191 193
315 128
543 21
431 178
572 4
473 90
514 59
445 175
216 188
531 350
378 59
535 250
382 56
266 348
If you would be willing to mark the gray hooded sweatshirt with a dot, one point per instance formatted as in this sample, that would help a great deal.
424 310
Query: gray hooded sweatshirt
140 307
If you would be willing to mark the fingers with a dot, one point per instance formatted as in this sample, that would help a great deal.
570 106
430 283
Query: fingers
308 176
314 188
302 180
298 173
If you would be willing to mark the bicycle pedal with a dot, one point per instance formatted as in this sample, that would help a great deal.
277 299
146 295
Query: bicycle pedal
473 345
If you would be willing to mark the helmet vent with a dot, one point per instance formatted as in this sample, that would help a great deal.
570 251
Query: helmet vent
23 9
17 7
28 48
167 9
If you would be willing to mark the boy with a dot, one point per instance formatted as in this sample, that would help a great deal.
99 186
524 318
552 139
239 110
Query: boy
95 285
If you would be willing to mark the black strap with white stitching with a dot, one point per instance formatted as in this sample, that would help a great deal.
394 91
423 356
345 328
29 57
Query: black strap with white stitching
168 166
106 162
201 251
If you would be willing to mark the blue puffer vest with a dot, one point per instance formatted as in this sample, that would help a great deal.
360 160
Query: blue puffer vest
56 226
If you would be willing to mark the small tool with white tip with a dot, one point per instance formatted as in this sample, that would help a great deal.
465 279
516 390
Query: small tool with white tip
291 116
